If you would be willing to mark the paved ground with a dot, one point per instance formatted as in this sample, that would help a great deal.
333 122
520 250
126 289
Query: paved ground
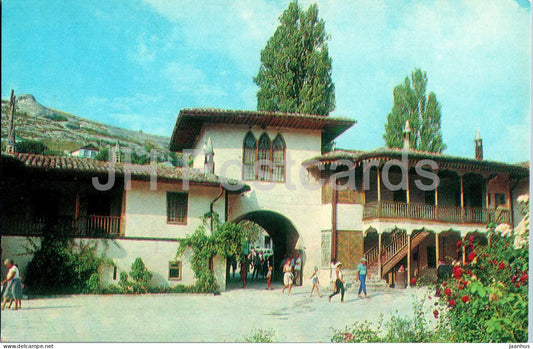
196 318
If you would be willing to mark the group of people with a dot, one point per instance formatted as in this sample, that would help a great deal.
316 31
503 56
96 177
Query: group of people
255 262
292 271
337 279
12 286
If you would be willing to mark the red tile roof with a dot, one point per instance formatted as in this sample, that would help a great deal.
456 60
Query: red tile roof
76 165
190 121
443 160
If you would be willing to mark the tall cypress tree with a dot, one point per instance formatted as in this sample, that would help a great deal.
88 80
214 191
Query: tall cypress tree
411 102
295 71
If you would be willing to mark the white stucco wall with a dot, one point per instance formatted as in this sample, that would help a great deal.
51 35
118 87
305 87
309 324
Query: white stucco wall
156 256
146 210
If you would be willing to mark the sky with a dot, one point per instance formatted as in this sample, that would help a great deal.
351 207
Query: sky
135 64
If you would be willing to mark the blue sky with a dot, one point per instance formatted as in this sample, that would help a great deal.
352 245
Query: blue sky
135 64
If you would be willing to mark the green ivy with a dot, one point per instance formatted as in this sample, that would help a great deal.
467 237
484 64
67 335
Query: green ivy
226 239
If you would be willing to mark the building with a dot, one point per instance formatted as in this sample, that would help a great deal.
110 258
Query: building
268 168
88 151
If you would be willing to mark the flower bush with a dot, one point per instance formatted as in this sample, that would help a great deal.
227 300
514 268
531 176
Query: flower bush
487 299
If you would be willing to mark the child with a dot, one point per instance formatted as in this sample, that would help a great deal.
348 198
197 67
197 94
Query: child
269 278
314 277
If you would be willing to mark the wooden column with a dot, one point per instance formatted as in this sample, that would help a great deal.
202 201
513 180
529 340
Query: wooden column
437 253
379 184
379 256
464 251
408 260
363 191
334 223
408 195
462 200
437 203
487 193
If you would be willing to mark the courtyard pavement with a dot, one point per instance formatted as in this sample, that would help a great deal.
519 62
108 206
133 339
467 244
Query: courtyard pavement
228 317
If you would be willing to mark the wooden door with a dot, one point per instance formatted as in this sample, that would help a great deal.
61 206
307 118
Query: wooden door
350 248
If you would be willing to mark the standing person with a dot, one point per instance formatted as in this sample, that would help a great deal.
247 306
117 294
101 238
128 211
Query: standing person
269 278
287 277
298 270
314 277
332 268
257 265
13 290
244 270
361 276
234 264
339 282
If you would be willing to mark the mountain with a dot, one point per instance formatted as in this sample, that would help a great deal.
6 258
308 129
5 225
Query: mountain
61 131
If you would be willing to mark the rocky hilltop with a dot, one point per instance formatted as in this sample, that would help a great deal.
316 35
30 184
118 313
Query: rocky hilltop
62 131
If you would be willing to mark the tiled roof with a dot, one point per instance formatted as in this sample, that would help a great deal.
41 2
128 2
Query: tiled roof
76 165
444 160
190 121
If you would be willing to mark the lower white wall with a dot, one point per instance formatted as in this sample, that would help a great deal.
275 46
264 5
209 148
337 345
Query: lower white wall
156 255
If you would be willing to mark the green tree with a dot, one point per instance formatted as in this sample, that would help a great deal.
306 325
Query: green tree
413 103
295 71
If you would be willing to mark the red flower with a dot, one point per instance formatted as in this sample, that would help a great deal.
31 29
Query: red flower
413 281
517 284
438 293
523 277
513 278
461 286
458 243
471 256
451 303
444 284
501 266
436 313
468 272
448 292
465 299
457 272
471 239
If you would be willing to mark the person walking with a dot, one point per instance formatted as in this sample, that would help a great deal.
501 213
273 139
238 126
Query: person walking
314 277
339 283
362 272
13 290
288 277
269 279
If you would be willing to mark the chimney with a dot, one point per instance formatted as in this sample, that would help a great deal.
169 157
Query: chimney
407 136
209 162
11 145
116 153
479 146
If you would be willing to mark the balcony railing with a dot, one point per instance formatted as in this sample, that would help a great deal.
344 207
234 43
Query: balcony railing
83 226
402 210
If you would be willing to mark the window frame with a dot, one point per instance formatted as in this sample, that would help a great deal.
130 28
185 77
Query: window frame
175 265
177 195
269 153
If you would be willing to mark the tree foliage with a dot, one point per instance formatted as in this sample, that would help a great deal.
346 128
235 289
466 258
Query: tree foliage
295 71
413 103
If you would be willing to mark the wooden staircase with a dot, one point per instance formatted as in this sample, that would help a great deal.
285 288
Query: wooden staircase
394 251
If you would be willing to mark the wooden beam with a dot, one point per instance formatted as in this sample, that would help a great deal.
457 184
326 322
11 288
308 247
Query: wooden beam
408 260
437 254
379 256
379 184
334 222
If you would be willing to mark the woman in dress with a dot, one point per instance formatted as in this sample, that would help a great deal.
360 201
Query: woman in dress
13 290
287 277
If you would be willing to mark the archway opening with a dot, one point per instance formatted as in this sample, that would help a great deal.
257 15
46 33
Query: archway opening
282 236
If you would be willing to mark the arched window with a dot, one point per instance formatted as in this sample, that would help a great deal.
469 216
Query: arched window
249 157
278 159
264 157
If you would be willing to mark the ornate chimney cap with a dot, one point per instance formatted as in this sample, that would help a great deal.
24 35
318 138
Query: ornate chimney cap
407 128
208 147
478 136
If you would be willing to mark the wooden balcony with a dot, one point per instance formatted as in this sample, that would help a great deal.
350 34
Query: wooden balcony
84 226
415 211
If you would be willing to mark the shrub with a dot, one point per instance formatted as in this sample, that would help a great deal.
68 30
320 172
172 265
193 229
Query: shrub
31 147
260 336
93 284
55 117
140 278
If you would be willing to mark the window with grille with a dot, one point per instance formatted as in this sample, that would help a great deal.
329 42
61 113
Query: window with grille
262 159
174 270
177 207
325 249
249 157
278 159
